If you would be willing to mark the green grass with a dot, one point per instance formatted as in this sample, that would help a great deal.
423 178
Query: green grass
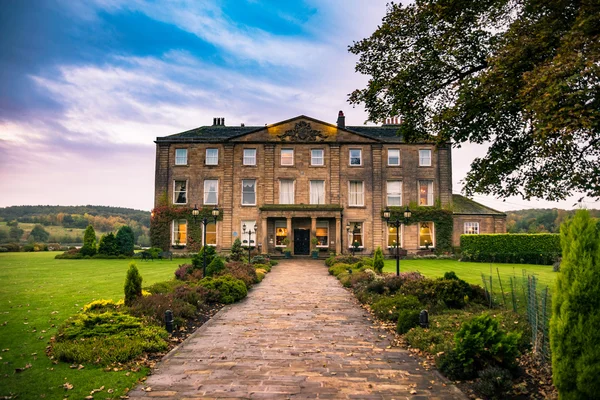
38 292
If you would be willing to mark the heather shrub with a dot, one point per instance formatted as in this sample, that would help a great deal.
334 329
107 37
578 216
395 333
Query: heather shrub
338 268
182 273
242 271
163 287
215 267
407 319
494 383
230 289
153 307
388 308
367 261
133 284
342 259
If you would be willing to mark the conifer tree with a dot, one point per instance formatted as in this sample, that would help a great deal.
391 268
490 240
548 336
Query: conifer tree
378 261
133 284
89 242
125 240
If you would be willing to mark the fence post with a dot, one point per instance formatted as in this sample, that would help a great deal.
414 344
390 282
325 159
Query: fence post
544 300
501 288
485 287
512 291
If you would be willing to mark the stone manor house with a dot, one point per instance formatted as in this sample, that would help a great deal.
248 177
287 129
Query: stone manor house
303 178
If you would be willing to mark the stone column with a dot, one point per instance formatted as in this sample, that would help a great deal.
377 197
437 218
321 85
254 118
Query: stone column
264 235
338 234
290 235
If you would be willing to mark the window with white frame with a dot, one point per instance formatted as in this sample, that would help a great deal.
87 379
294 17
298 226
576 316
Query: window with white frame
286 191
281 233
471 228
322 233
317 157
249 192
180 156
425 193
393 157
426 236
248 238
392 238
212 156
355 157
211 234
356 193
287 156
394 193
249 156
425 158
317 192
211 191
179 232
180 192
355 235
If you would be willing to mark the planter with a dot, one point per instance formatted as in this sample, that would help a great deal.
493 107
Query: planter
287 254
315 254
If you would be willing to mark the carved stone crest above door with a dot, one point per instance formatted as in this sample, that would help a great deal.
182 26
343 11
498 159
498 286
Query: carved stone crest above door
302 132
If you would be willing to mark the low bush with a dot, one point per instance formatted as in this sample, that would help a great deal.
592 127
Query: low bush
12 247
539 248
215 267
273 262
264 267
388 308
338 268
3 250
183 272
154 251
342 259
242 271
230 289
260 259
163 287
494 383
198 260
407 319
101 306
153 308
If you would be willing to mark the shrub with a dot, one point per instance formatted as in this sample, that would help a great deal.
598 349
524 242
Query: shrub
539 248
230 289
574 333
164 286
108 245
407 319
153 307
198 260
494 383
28 248
39 234
378 261
154 251
183 272
237 252
70 254
125 240
388 307
3 250
12 247
337 269
133 284
273 262
89 242
100 306
265 267
242 271
368 262
260 259
342 259
215 267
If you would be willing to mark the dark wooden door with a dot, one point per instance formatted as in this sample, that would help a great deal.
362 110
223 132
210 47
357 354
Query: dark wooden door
301 241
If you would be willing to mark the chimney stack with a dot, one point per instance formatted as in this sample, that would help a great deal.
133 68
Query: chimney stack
341 121
218 121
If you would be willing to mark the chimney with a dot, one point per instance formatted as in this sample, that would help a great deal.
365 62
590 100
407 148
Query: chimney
214 121
341 121
223 121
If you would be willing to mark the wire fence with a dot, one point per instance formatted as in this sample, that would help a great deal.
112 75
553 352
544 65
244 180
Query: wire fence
524 295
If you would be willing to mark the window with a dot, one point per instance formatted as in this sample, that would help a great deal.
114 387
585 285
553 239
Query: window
249 192
281 233
471 228
180 156
212 156
393 157
179 232
356 234
394 193
316 157
355 157
248 238
317 192
211 234
425 158
323 233
287 156
211 191
426 238
180 192
391 242
249 156
425 193
286 191
356 194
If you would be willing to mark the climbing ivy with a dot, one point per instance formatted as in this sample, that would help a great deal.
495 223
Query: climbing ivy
441 218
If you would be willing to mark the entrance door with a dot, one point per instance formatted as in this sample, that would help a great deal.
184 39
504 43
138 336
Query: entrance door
301 242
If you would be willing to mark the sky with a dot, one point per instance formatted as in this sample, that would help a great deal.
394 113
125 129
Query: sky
87 86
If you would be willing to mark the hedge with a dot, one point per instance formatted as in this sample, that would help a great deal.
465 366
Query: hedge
541 248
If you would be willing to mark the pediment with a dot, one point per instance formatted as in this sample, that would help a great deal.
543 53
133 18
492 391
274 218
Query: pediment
302 129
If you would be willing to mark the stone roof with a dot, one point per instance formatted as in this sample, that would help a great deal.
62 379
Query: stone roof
466 206
385 133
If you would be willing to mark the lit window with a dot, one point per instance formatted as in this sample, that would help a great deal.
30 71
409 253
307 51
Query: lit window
180 192
355 236
426 237
425 158
393 157
355 157
316 157
180 156
355 193
249 192
287 156
211 234
281 233
247 237
286 191
425 193
211 191
471 228
179 232
392 236
317 192
212 156
322 233
249 156
394 193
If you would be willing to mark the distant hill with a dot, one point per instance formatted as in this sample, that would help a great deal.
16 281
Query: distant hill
539 220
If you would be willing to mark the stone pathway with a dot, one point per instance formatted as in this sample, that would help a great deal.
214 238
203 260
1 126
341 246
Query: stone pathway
298 335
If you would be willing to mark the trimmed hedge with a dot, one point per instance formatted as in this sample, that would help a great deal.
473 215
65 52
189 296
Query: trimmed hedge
540 248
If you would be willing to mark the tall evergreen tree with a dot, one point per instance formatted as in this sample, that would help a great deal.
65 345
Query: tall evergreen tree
108 245
125 240
89 242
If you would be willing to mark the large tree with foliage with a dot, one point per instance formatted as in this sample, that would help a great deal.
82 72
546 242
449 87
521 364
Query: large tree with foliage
523 75
89 242
39 234
125 240
108 245
574 333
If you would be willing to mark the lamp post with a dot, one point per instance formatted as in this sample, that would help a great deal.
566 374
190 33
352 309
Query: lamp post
250 232
396 223
205 221
354 232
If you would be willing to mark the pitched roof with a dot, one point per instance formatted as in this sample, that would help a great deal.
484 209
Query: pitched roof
385 133
465 206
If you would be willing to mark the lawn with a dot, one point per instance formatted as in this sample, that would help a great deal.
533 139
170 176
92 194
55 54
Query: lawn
37 294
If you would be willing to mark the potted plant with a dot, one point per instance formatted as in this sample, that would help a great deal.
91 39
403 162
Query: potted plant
315 251
177 244
287 252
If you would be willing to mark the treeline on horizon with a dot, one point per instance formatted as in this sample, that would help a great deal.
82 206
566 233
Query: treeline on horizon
540 220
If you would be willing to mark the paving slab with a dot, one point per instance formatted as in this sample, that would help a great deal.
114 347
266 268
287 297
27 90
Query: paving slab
298 335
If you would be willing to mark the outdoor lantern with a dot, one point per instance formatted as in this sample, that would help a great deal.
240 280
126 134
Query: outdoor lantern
348 226
387 214
255 228
407 213
195 212
244 228
215 212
